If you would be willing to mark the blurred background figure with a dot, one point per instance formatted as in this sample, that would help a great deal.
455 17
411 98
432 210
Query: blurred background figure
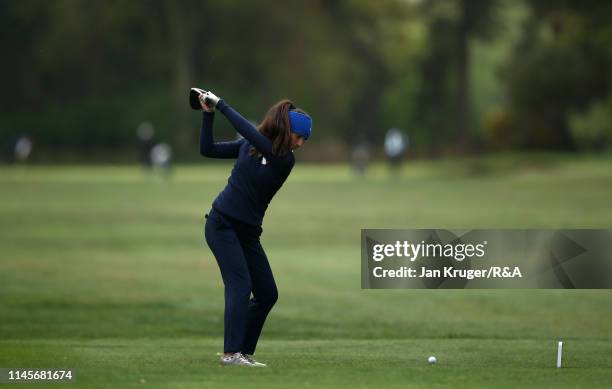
395 147
161 158
145 133
360 157
19 149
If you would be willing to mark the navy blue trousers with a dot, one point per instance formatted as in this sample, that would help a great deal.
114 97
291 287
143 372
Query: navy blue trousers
245 270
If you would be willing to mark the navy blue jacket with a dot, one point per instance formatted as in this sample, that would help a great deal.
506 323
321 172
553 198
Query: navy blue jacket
254 180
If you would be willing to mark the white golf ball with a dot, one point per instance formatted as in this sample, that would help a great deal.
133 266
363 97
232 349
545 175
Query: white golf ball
432 360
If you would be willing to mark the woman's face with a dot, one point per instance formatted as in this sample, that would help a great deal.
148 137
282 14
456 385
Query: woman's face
296 141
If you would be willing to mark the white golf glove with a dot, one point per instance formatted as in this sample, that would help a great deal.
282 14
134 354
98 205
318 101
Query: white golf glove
210 99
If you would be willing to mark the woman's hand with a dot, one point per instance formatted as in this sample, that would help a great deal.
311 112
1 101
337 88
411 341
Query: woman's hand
208 101
206 108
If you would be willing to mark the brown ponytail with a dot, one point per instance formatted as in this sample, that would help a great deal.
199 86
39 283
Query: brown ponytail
276 127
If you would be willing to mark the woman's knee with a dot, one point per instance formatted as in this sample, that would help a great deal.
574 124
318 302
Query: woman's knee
241 290
269 298
274 297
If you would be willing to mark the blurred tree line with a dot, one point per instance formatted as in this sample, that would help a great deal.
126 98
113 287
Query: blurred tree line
81 74
559 79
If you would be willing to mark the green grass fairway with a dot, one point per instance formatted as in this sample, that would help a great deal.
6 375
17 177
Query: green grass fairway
104 269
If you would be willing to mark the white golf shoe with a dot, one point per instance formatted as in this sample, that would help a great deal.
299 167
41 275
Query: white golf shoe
239 359
235 359
254 362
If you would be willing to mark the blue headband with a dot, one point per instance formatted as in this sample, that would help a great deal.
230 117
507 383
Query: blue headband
301 123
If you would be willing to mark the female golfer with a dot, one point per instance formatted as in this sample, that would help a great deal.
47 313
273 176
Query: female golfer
233 226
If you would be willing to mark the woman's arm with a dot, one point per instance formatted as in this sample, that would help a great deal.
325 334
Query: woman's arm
247 130
212 149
